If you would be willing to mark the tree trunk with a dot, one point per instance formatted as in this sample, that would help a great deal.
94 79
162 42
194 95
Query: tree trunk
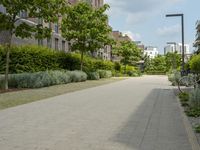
8 47
82 61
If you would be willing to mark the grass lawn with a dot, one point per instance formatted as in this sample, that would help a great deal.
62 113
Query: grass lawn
12 99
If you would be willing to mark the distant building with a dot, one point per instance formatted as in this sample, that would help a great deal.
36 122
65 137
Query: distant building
140 45
197 39
177 47
119 37
151 52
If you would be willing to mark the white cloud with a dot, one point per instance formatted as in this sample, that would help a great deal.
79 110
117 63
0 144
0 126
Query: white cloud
170 31
136 11
133 36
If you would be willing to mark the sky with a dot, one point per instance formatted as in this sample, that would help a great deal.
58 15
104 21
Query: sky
145 21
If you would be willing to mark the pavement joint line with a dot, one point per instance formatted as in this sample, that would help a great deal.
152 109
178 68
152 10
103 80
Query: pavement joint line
154 105
190 132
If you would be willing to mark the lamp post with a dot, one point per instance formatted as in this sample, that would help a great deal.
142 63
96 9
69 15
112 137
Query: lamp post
183 49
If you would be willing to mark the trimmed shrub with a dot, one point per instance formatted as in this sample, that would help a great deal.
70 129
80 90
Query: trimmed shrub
78 76
93 76
44 79
35 59
105 73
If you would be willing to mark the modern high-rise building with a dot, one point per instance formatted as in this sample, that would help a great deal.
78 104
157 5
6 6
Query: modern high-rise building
177 47
197 39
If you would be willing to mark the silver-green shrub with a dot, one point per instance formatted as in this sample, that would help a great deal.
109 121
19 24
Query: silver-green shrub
43 79
78 76
174 77
105 73
93 76
60 77
194 98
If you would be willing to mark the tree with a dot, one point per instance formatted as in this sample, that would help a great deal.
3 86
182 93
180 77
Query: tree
195 64
12 24
129 52
156 65
86 27
173 60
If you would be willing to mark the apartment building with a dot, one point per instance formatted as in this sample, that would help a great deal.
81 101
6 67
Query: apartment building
119 37
177 47
197 38
151 51
56 41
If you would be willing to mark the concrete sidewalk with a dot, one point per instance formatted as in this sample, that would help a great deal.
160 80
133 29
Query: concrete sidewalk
134 114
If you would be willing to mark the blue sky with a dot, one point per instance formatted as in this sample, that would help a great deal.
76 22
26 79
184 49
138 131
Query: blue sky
145 20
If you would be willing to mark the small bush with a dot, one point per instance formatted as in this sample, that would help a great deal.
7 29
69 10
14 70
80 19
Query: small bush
105 73
197 128
184 98
117 66
193 112
194 98
78 76
93 76
174 77
195 63
117 74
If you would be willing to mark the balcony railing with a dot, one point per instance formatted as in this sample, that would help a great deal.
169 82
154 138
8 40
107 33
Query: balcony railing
198 24
198 36
196 43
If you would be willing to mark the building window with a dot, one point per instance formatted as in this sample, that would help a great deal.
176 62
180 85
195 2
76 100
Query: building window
56 28
63 45
56 43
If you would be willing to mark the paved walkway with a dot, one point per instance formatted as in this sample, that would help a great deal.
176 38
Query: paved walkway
134 114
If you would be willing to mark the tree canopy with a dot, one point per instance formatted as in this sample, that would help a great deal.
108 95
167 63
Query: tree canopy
86 27
129 52
173 60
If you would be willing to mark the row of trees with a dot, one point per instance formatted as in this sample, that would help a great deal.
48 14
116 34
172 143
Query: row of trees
85 26
162 64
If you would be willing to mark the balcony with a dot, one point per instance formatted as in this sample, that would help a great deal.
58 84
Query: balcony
198 25
197 43
198 36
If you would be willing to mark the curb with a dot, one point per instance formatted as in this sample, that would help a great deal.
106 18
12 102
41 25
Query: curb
190 132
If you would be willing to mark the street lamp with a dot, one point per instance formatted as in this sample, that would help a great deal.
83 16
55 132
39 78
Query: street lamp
182 25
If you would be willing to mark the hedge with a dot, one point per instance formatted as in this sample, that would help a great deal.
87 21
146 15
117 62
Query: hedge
35 59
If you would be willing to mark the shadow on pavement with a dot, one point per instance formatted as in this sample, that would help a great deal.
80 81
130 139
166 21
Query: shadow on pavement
155 125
